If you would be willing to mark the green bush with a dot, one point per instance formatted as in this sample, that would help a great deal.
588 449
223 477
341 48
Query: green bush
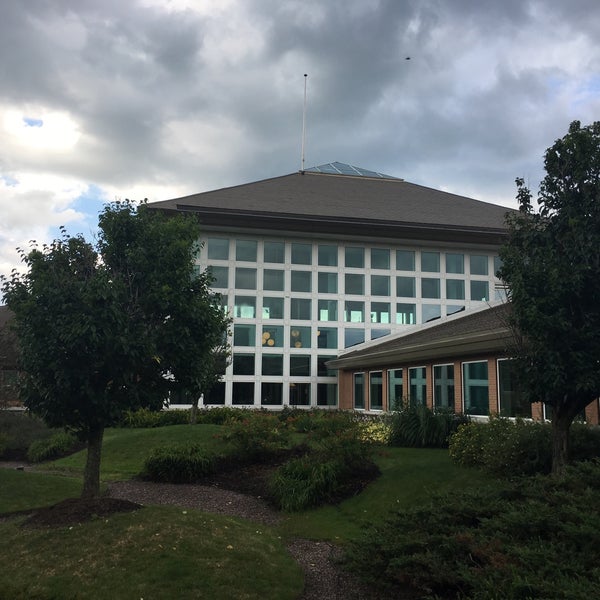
533 538
419 427
57 445
336 467
179 464
258 436
219 415
20 429
3 444
144 418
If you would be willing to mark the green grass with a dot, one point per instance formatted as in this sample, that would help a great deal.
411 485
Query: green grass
20 490
125 450
157 552
408 478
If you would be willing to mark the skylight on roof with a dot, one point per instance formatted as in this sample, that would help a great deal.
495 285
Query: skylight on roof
338 168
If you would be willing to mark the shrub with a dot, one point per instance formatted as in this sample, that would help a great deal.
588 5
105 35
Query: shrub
499 542
179 464
336 467
3 444
57 445
144 418
258 436
20 429
419 427
219 415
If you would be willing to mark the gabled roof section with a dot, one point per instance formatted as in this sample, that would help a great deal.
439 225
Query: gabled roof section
338 168
317 202
478 331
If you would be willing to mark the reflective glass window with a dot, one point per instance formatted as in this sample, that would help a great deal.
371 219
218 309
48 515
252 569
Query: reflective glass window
272 364
395 389
431 312
380 312
354 311
273 280
455 263
380 258
299 393
476 388
380 285
328 310
430 261
300 337
327 337
376 390
245 307
326 394
220 275
359 390
417 386
455 289
301 281
430 288
245 250
322 370
355 284
443 386
272 336
218 248
244 335
355 257
242 393
245 279
301 254
274 252
480 290
405 260
272 308
271 393
406 314
353 337
328 255
299 365
243 364
300 309
479 264
328 283
405 286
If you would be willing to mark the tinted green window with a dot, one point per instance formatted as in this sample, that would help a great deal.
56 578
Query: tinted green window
430 288
271 394
476 388
273 280
480 290
245 307
395 389
380 285
245 250
221 276
354 312
431 312
418 386
299 394
243 364
455 263
380 258
430 261
443 386
272 364
376 390
322 370
244 335
245 279
328 256
327 337
353 337
272 336
242 392
274 252
406 314
328 310
497 265
272 308
380 312
455 289
359 390
299 366
405 260
326 394
301 281
512 401
355 257
405 286
300 337
300 309
479 265
355 284
328 283
218 248
301 254
379 333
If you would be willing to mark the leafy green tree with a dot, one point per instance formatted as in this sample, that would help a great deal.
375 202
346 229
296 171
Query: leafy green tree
114 327
551 265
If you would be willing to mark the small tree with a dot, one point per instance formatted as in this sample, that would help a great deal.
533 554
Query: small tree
113 328
551 265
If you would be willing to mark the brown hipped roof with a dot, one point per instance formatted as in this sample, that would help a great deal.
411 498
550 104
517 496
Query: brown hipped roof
354 205
484 331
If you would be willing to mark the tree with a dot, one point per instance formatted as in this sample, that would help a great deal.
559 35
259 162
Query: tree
114 327
551 265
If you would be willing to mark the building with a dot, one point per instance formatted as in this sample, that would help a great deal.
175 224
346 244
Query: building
312 263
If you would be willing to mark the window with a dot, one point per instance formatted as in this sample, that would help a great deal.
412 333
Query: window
322 370
328 256
301 281
244 307
216 395
300 337
405 260
455 263
354 311
376 390
328 310
218 249
454 308
328 283
327 337
405 286
243 364
301 254
379 333
479 264
220 275
326 394
272 308
272 364
355 258
242 392
455 289
299 394
353 337
476 388
359 390
271 393
480 290
443 386
431 312
300 309
244 335
497 265
380 285
274 252
430 261
355 284
406 314
395 389
273 280
380 258
245 250
299 366
512 403
272 336
380 312
418 386
430 288
245 279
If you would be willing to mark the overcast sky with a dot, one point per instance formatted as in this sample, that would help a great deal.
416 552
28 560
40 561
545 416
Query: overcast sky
105 99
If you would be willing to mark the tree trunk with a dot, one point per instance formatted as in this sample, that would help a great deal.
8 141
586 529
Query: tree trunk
91 475
560 442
